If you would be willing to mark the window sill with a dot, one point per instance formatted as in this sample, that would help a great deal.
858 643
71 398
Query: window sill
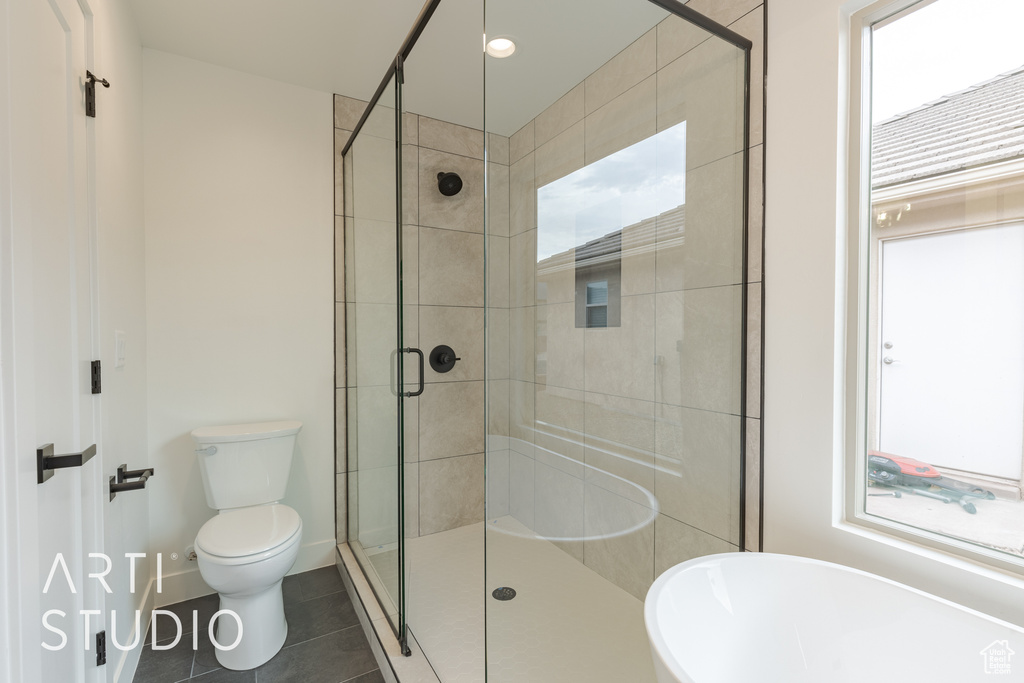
953 553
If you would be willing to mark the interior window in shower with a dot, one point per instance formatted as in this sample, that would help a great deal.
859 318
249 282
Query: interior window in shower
582 216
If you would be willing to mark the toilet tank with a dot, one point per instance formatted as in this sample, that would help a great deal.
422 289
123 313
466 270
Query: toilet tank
245 464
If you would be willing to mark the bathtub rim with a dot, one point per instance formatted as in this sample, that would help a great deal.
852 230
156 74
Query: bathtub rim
659 646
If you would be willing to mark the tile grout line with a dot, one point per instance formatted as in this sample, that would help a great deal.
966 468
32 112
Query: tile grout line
322 635
347 680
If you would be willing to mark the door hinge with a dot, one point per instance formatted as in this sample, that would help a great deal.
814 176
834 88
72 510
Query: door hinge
90 92
97 380
101 648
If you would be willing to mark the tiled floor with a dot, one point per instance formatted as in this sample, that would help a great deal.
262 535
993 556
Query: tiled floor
325 642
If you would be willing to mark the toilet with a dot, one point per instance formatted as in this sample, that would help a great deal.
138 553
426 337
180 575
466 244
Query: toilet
245 551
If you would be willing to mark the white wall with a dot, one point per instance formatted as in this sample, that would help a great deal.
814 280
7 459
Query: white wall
804 271
121 257
239 280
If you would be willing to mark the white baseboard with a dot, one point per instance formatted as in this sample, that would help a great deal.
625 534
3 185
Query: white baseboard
188 584
314 556
180 586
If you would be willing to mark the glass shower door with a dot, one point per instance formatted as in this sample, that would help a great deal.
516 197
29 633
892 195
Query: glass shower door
375 353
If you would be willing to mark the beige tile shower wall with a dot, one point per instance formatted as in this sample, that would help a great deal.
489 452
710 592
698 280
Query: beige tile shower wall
444 295
627 464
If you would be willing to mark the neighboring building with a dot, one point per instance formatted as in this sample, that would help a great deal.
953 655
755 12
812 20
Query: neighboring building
948 247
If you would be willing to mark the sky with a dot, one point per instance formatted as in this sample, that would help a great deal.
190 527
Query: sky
635 183
945 46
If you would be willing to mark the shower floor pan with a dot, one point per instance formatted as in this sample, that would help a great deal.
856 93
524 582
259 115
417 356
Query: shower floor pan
567 624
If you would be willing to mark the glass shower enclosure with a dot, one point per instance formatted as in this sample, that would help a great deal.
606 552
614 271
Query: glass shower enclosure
590 277
375 346
375 349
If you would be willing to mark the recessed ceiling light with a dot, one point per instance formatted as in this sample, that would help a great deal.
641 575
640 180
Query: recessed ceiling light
500 47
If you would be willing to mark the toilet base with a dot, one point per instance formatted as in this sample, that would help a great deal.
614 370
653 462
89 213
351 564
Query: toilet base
264 628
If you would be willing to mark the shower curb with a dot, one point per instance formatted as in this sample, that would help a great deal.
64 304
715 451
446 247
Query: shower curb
395 667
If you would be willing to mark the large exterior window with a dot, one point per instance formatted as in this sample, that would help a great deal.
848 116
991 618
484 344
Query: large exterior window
943 427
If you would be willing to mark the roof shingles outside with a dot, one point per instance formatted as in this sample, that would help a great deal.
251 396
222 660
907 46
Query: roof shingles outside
642 236
980 125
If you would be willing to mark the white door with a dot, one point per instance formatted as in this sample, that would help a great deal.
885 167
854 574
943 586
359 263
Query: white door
952 356
49 339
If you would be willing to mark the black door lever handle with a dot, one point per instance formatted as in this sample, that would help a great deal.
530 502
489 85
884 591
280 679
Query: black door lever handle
123 474
47 462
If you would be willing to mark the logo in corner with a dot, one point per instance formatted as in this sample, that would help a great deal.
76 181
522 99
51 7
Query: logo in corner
997 657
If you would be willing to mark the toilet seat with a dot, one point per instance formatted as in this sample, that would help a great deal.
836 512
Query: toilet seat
248 535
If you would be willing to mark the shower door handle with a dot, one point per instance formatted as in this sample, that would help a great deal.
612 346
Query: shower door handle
398 385
410 394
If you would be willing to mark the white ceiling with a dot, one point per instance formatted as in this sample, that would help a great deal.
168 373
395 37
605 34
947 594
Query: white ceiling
344 46
334 45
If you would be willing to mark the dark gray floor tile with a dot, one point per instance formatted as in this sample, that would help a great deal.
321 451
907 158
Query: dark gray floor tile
165 666
291 590
319 582
329 659
206 655
205 606
316 604
372 677
226 676
318 617
306 620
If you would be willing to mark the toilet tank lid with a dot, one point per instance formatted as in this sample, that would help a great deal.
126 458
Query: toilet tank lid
246 432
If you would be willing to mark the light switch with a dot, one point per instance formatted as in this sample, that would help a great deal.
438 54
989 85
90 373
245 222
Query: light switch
120 340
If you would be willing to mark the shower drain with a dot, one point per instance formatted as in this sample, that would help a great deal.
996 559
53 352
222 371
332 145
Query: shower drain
504 593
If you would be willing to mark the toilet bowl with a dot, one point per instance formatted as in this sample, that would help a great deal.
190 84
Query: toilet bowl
243 555
245 551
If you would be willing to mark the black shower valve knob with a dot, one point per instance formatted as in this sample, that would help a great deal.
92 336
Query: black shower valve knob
442 358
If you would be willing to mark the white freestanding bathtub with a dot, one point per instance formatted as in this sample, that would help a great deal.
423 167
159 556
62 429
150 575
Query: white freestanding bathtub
746 617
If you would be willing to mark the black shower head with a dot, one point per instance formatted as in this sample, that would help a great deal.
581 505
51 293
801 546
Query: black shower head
449 184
